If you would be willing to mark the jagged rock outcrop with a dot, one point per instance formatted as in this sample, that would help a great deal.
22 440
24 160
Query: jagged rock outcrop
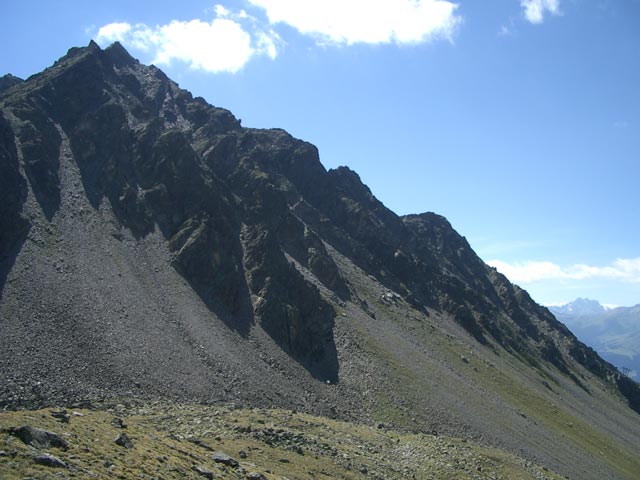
7 81
138 141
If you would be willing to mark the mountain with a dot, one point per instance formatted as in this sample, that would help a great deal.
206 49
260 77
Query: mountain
578 308
613 333
153 249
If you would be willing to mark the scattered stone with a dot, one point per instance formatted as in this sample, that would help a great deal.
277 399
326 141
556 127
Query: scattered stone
124 441
61 416
118 423
200 443
223 458
38 438
242 454
256 476
284 460
49 461
297 449
203 472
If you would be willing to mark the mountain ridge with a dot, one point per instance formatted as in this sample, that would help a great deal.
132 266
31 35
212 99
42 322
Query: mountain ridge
152 246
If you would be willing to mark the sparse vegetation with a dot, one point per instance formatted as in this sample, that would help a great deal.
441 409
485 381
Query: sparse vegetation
178 441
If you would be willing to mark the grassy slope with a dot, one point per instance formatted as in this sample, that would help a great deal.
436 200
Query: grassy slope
279 444
520 388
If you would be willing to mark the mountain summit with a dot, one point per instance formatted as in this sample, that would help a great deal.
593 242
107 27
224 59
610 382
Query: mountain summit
579 307
153 248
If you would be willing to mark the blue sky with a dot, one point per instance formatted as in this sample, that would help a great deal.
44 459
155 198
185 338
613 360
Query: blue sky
519 120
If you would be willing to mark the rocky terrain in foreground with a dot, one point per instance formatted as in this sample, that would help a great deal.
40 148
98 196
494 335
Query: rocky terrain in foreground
153 249
189 441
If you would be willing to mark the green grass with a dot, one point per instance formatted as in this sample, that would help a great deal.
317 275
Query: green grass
564 424
279 444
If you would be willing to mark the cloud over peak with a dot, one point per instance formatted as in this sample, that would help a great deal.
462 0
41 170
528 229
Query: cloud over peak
232 38
347 22
222 45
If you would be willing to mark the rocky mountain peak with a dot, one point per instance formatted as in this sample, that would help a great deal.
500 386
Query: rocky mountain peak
119 55
579 307
8 81
150 243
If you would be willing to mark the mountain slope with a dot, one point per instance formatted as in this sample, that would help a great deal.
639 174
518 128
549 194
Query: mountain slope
153 248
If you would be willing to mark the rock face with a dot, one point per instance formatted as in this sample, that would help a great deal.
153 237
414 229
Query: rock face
152 246
8 81
38 438
152 152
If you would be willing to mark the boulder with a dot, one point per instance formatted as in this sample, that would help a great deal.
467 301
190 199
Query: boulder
38 438
223 458
49 461
124 441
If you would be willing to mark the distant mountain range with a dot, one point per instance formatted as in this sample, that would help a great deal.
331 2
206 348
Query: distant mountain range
613 332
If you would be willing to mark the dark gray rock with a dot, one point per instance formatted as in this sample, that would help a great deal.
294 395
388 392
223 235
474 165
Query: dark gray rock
62 416
49 461
38 438
223 458
200 443
7 81
118 423
124 441
203 472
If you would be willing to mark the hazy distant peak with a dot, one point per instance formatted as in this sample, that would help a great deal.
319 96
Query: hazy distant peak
579 307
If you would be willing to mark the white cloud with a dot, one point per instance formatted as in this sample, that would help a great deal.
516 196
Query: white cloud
221 11
225 44
114 31
535 10
527 272
622 269
347 22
